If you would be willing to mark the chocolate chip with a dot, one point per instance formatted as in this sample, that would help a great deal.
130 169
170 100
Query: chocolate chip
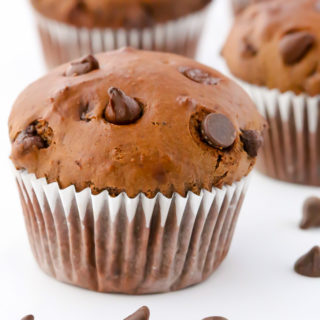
295 46
252 141
141 314
122 109
199 76
218 130
309 264
311 213
37 134
215 318
29 317
83 66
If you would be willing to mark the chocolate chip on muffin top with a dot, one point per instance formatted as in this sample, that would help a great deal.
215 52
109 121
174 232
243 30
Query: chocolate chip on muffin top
277 44
116 13
136 123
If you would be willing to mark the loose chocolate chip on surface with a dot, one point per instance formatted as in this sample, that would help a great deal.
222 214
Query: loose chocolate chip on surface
37 134
215 318
252 141
199 76
295 46
311 213
218 130
122 109
309 264
141 314
83 66
29 317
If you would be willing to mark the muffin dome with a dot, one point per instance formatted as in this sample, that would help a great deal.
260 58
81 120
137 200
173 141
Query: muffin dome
135 121
116 13
277 44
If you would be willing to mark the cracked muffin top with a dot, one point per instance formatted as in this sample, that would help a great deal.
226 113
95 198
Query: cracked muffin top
135 121
116 13
277 44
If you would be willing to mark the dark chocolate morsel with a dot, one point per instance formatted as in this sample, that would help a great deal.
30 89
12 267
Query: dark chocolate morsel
218 131
199 76
28 317
309 264
121 109
142 314
252 141
82 66
295 46
215 318
311 213
37 134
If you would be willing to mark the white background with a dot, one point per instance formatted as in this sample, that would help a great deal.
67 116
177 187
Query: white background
256 281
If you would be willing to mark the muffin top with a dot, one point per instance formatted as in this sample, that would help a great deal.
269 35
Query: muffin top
277 44
116 13
135 121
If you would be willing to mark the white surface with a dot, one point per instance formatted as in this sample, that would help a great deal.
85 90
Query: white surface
256 281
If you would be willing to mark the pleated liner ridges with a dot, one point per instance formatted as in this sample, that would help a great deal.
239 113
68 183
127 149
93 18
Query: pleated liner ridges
291 149
128 245
62 42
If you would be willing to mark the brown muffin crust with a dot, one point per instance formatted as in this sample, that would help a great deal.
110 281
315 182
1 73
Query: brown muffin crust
84 140
277 44
116 13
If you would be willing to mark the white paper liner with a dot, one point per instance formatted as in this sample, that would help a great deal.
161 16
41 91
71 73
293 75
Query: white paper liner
125 245
62 42
291 149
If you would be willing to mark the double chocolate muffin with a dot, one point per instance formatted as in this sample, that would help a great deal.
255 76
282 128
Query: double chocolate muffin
274 49
131 167
71 28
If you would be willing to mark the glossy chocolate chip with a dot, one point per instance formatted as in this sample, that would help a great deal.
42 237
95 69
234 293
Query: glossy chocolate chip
252 141
199 76
141 314
218 131
122 109
295 46
83 66
28 317
36 135
311 213
309 264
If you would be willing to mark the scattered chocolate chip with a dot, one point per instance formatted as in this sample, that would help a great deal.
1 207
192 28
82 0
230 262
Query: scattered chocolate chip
38 134
311 213
122 109
252 141
248 50
29 317
294 46
199 76
215 318
218 130
141 314
83 66
309 264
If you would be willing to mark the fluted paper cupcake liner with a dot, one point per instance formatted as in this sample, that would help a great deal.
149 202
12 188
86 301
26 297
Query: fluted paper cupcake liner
62 42
119 244
291 150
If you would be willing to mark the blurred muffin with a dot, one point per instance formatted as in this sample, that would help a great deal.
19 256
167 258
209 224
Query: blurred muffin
70 29
132 169
274 48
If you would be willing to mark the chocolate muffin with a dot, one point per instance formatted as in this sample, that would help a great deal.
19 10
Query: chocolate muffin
274 49
72 28
132 168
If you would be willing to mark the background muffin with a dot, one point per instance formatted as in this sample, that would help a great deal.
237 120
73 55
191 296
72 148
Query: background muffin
72 28
148 152
274 48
